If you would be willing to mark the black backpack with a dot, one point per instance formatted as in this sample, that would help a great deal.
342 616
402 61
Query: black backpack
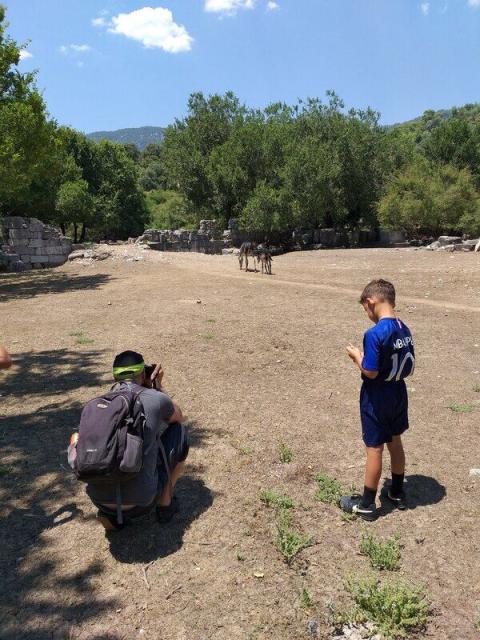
110 442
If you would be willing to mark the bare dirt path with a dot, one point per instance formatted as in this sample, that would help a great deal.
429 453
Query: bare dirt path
255 361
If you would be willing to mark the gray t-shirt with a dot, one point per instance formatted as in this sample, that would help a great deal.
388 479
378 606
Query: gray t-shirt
142 489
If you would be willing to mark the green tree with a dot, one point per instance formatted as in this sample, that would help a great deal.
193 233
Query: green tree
75 205
265 210
189 143
27 140
427 198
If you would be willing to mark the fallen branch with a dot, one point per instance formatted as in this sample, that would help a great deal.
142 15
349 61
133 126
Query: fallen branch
169 595
144 571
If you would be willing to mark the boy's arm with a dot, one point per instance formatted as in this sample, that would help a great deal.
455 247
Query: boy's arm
357 356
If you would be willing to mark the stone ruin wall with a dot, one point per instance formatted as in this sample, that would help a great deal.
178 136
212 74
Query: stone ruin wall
27 243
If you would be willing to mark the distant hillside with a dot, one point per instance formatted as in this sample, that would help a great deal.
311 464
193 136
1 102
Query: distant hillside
140 136
431 119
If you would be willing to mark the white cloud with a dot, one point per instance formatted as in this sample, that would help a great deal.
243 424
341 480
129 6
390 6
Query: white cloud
80 64
425 8
76 48
25 55
272 6
99 22
474 3
154 28
228 6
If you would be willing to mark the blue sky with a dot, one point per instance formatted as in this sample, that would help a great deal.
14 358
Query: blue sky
108 64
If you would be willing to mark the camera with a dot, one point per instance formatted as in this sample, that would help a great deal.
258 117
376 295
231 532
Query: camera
149 369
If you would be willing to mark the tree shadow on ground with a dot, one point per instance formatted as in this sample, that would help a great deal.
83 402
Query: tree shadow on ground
15 286
51 373
420 490
37 495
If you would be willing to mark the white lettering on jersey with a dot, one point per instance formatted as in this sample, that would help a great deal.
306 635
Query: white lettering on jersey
403 342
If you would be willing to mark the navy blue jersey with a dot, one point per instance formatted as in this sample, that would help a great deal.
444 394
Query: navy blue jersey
388 349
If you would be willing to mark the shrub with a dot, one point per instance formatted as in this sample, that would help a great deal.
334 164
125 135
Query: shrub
394 608
329 489
383 554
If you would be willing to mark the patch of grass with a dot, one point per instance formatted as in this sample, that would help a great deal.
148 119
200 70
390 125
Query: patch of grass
461 408
285 453
476 388
276 499
306 600
347 517
211 320
396 609
289 541
81 338
5 469
247 532
240 556
208 336
329 489
245 451
383 554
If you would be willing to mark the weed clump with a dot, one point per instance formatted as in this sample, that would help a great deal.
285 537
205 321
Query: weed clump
461 408
277 500
306 600
285 453
289 541
329 489
383 554
395 609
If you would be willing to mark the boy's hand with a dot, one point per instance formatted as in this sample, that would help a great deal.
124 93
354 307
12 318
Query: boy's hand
355 354
157 377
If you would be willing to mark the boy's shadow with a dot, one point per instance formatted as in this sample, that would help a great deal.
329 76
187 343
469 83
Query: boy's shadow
421 491
145 540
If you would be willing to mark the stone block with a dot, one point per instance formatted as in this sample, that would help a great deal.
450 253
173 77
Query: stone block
19 234
36 243
15 222
55 251
56 261
39 259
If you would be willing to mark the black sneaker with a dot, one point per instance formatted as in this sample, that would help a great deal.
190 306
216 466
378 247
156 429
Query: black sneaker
108 522
165 514
353 504
398 500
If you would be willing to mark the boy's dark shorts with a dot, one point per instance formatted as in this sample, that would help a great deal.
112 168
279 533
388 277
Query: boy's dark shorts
383 411
176 444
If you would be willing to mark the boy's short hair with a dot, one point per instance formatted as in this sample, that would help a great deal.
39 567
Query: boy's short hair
127 365
381 289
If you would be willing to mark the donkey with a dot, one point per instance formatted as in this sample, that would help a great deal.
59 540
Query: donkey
247 249
265 259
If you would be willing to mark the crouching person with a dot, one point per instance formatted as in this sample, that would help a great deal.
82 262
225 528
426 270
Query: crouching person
131 446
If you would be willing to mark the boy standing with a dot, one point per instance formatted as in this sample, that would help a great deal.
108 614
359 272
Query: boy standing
388 358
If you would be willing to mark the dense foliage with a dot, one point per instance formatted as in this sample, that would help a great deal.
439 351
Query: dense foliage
313 164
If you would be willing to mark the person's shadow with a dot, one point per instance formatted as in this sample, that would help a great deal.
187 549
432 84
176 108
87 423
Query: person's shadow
420 491
145 540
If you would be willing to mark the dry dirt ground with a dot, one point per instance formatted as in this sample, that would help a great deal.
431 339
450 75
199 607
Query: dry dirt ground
254 361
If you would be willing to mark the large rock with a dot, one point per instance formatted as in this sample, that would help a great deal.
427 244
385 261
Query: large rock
448 240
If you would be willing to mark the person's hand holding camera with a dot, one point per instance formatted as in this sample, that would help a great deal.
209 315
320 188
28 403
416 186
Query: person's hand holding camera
153 376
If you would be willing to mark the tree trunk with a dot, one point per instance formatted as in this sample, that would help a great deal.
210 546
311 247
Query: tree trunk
75 233
62 227
83 232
